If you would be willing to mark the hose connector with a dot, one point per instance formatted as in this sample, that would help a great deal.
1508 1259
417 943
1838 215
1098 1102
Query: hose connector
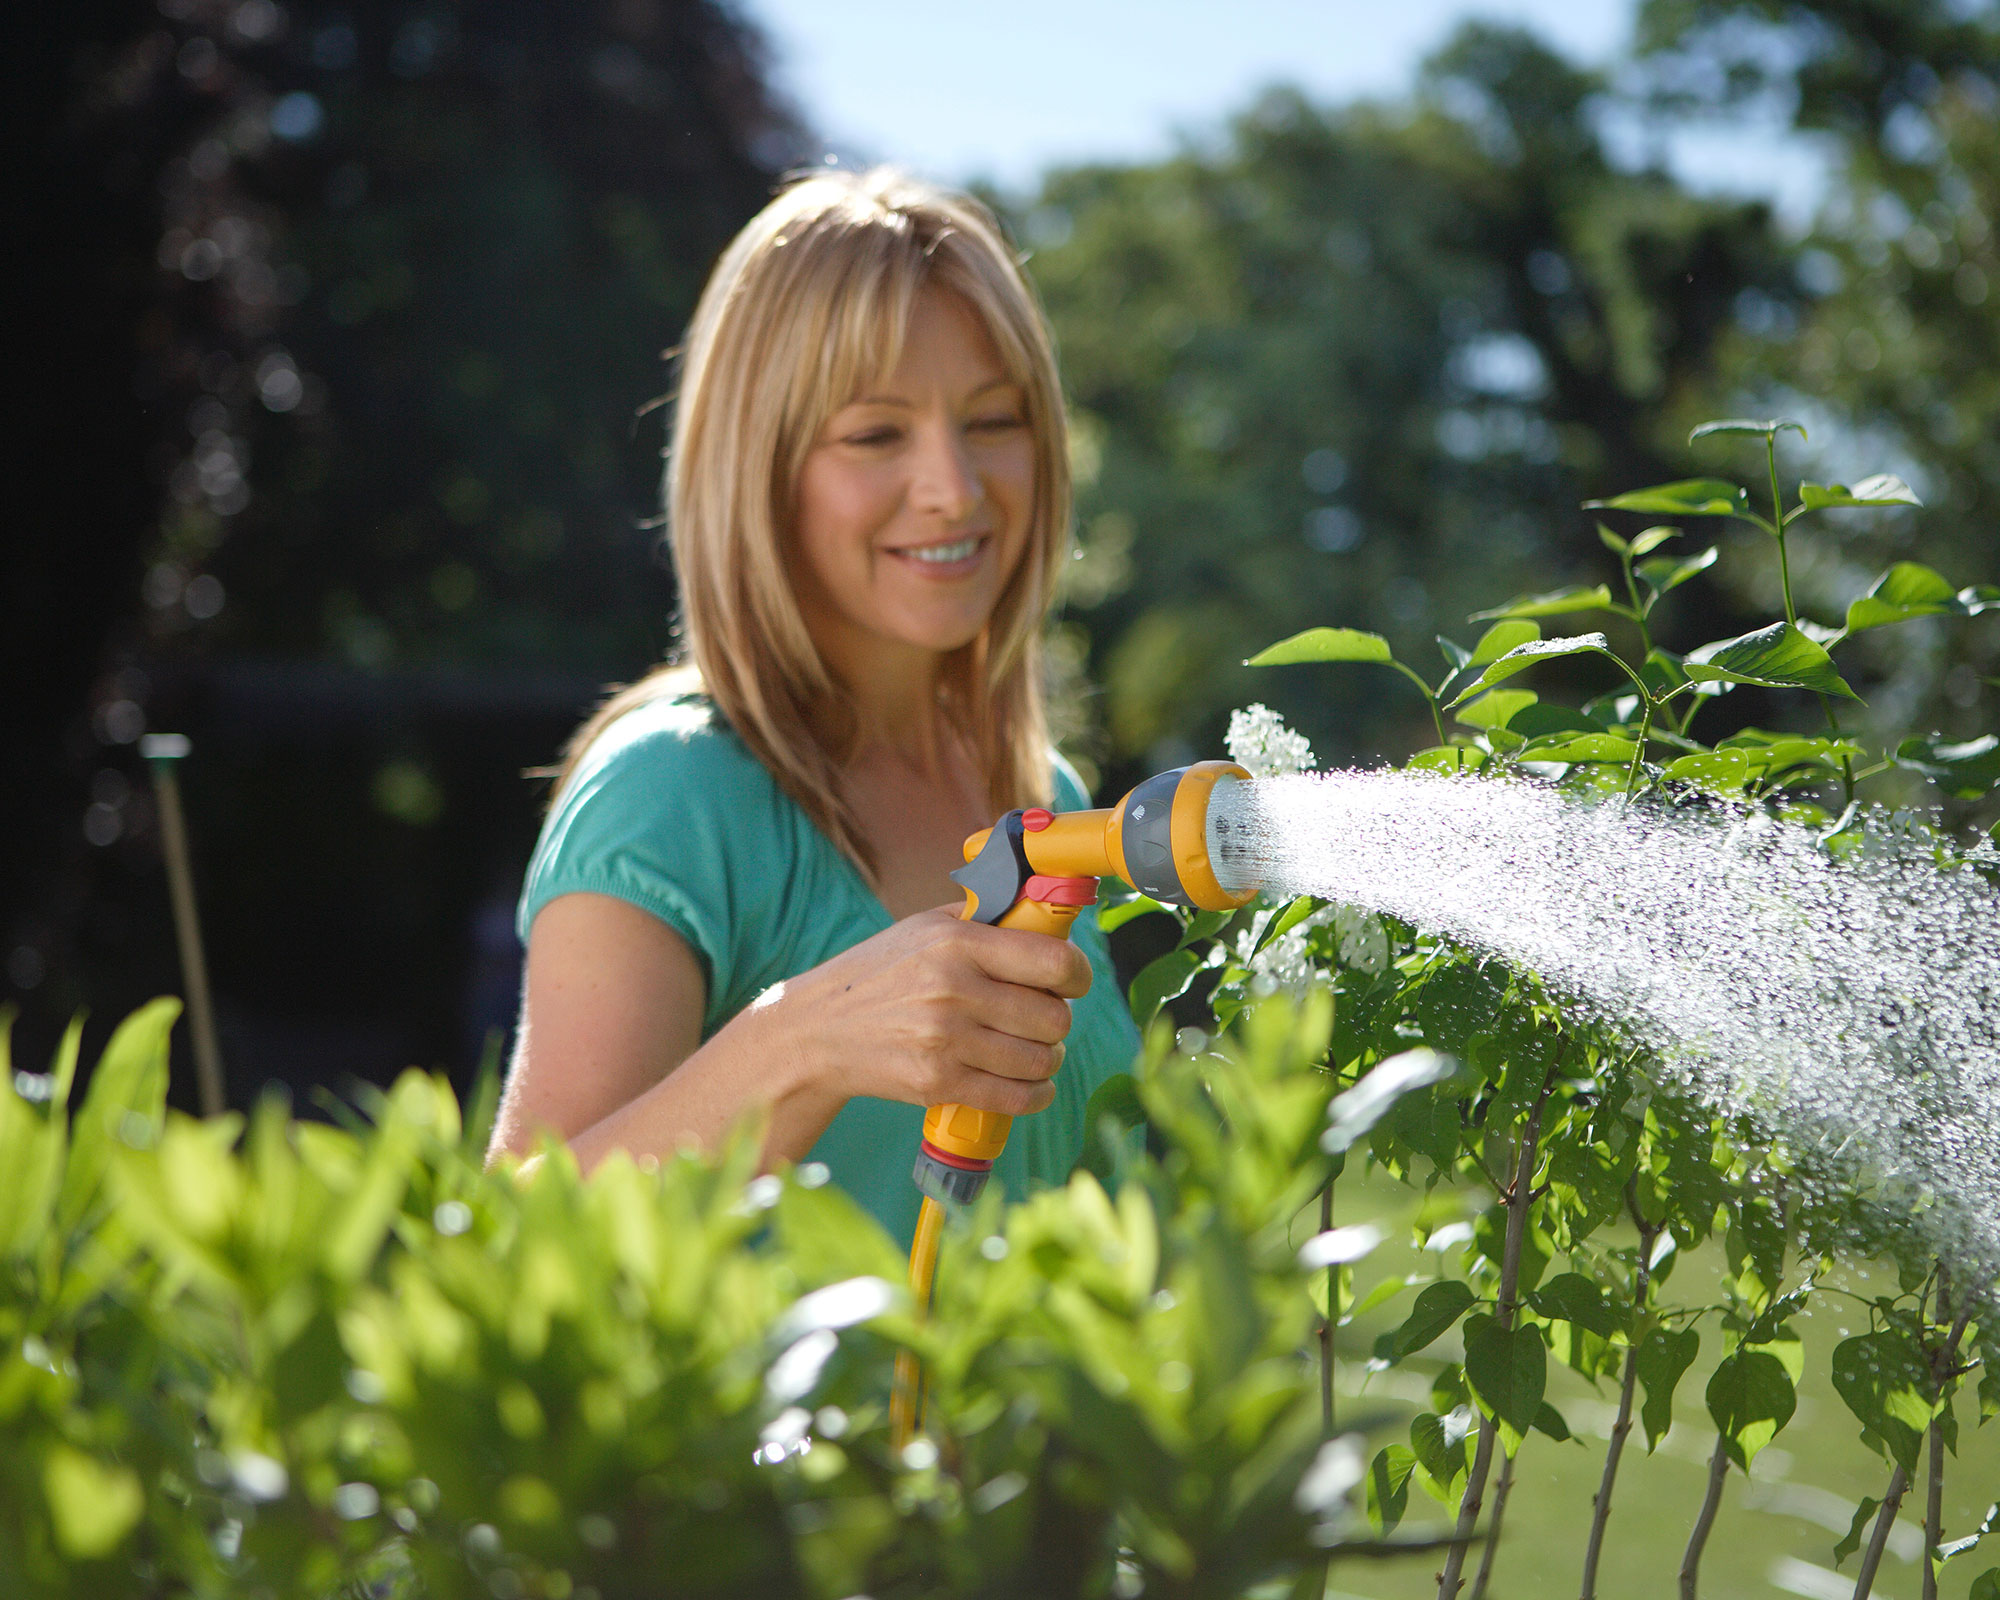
950 1180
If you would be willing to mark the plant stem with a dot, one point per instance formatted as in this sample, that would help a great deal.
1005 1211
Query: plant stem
1639 755
1718 1469
1500 1492
1878 1537
1600 1505
1332 1318
1517 1200
1778 523
1941 1374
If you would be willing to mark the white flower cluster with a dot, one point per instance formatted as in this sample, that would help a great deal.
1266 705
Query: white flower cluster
1286 964
1260 742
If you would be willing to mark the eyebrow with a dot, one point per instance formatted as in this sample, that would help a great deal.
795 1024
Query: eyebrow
891 400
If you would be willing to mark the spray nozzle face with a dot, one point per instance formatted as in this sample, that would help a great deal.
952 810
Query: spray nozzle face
1168 839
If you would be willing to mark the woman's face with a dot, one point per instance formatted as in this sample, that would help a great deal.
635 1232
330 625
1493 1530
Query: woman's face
914 504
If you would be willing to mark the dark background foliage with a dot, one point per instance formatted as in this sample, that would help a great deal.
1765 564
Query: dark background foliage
336 458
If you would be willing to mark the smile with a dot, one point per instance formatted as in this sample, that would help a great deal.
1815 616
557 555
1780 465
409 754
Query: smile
941 555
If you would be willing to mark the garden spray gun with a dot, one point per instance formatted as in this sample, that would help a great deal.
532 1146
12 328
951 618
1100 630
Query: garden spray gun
1036 869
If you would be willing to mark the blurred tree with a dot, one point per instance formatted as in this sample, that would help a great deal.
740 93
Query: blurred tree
1898 337
413 267
1359 366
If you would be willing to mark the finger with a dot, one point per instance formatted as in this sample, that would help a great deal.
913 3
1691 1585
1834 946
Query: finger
1013 955
1031 1014
1002 1055
1014 1097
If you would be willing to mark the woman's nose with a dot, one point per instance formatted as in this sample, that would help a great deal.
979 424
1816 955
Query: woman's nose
945 482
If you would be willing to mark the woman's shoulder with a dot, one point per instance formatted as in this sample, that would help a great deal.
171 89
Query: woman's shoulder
674 738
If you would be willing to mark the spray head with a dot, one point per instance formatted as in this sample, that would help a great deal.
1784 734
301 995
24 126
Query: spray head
1172 837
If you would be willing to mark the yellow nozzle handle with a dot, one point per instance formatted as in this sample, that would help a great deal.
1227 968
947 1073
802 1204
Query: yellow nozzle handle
965 1131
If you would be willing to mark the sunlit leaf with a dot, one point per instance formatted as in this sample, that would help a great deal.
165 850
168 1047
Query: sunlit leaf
1883 1378
1910 589
1664 573
1880 490
1580 747
1497 640
1571 1297
94 1504
1523 656
1389 1486
1652 539
1964 771
1751 425
1751 1397
1323 644
1113 917
1356 1110
1719 771
1689 497
1448 758
1779 656
1555 603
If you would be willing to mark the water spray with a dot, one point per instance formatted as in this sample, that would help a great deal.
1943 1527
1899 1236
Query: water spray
1171 839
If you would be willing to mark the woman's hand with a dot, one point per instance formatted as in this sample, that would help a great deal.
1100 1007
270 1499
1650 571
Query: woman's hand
931 1010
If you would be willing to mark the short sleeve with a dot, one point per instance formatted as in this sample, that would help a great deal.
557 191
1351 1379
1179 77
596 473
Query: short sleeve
669 813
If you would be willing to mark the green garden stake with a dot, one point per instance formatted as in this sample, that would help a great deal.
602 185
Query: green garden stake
162 751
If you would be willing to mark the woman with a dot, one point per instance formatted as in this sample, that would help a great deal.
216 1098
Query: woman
740 899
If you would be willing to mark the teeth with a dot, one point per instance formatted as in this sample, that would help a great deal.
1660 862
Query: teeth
941 553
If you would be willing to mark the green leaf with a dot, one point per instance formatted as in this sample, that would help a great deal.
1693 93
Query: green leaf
1857 1530
1507 1369
1448 758
1539 720
1986 1586
1663 573
1579 747
1764 429
126 1101
1323 644
1751 1397
1438 1306
1550 1421
1883 1379
93 1504
1777 657
1611 541
1964 771
1389 1486
1664 1357
1284 921
1495 709
1555 603
1113 1112
1439 1445
1497 640
1571 1297
1958 1547
1527 655
1880 490
1115 916
1908 589
1455 654
1160 981
1652 539
1718 771
1689 497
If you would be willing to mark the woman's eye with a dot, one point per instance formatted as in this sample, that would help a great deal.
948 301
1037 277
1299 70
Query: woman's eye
874 436
998 424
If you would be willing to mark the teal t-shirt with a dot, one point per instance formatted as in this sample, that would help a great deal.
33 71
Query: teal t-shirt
670 812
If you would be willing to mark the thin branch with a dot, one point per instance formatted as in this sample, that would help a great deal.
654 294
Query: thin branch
1718 1469
1878 1537
1600 1505
1500 1493
1332 1318
1517 1201
1943 1366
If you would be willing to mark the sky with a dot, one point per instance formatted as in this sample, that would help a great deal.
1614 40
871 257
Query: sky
1000 92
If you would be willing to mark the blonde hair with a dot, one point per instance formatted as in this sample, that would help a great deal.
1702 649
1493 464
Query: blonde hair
809 303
